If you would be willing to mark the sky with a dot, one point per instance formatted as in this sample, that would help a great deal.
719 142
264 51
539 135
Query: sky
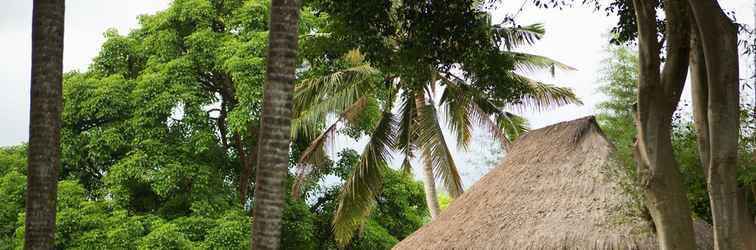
575 36
86 21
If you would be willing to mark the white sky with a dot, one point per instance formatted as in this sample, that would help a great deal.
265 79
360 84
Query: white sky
86 21
575 36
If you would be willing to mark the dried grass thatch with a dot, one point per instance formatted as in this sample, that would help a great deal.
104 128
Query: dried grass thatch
558 188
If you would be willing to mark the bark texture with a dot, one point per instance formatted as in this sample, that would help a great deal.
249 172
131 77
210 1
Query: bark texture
714 67
275 124
658 95
44 124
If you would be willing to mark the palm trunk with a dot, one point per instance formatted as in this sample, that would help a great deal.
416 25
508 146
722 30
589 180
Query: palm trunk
429 180
431 197
275 124
44 123
658 95
716 108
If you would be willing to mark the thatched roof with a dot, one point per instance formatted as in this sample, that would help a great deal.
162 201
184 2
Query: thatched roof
558 188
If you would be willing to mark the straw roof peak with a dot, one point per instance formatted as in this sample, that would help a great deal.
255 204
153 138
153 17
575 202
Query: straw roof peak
557 188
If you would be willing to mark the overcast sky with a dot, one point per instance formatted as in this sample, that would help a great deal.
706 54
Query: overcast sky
575 36
86 21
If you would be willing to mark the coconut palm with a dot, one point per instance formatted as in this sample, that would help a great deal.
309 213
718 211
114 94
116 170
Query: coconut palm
275 123
414 126
44 131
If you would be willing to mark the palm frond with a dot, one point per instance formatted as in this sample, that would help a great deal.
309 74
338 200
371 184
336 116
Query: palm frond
530 63
502 125
357 196
317 97
542 96
435 150
459 115
493 128
318 144
511 125
407 166
513 37
408 114
406 134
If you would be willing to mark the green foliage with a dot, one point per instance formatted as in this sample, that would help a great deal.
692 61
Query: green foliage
230 233
13 159
615 116
166 236
298 227
373 236
86 224
12 188
444 201
747 153
399 209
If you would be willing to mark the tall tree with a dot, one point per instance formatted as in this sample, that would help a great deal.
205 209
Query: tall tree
716 108
658 95
44 123
275 124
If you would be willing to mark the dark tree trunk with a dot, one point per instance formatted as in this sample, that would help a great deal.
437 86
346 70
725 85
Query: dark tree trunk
658 95
44 123
716 112
247 158
275 124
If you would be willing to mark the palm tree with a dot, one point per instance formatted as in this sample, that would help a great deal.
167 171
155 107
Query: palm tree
275 123
416 127
44 123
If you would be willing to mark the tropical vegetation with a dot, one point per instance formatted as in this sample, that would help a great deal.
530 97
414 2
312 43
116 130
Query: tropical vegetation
188 131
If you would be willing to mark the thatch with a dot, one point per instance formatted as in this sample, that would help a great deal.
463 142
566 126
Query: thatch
558 188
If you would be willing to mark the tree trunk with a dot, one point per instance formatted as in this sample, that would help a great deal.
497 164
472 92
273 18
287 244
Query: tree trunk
431 197
246 167
248 157
429 180
247 160
44 123
658 95
275 124
716 108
